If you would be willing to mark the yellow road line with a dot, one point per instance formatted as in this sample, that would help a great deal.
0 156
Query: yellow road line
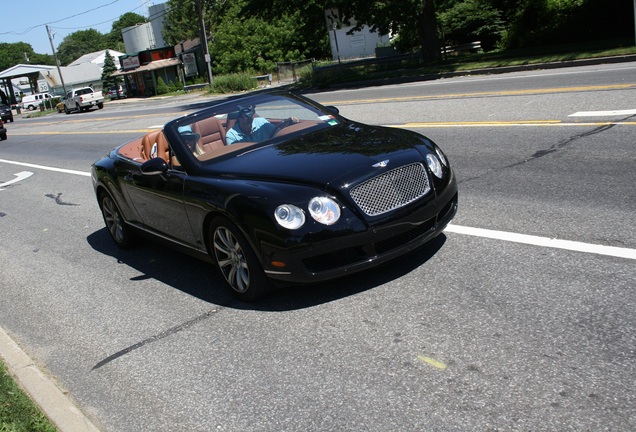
432 362
414 125
101 132
488 93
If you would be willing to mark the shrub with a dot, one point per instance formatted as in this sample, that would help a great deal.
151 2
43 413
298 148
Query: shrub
162 87
233 83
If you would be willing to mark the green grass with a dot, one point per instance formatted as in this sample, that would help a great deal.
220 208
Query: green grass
17 412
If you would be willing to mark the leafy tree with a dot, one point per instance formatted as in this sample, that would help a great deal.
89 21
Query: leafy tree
79 43
12 54
109 67
471 20
309 25
253 44
245 37
181 22
414 21
552 22
115 39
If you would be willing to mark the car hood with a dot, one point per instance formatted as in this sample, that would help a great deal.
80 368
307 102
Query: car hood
342 155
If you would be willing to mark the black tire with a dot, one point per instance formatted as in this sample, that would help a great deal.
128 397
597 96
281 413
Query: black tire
3 136
237 261
119 231
66 110
100 105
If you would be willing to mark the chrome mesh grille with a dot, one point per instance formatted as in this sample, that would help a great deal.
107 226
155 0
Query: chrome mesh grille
391 190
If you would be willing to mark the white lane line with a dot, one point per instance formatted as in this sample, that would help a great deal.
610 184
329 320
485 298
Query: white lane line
603 113
476 232
544 241
61 170
19 176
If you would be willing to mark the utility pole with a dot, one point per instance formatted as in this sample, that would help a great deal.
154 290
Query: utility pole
57 62
203 40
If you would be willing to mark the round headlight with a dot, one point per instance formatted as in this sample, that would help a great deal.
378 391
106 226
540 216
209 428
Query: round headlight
289 216
434 165
324 210
441 156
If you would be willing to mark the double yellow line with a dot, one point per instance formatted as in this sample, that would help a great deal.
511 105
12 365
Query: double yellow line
487 93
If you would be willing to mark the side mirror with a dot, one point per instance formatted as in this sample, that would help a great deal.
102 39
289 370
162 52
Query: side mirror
154 166
333 109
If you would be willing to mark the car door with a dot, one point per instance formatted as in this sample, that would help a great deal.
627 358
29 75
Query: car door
158 199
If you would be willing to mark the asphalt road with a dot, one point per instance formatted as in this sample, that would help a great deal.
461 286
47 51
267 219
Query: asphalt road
521 317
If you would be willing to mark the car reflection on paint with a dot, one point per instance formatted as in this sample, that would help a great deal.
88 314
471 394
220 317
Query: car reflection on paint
276 188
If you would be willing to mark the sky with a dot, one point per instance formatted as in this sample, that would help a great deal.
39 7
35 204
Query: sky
25 20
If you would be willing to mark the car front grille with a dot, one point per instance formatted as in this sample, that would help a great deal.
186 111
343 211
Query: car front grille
391 190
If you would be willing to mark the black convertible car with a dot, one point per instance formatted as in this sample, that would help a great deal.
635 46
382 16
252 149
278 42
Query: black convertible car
275 187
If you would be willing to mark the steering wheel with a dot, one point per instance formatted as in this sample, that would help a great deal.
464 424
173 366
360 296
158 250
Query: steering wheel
287 122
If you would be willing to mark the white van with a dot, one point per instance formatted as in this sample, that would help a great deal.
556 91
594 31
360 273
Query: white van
31 102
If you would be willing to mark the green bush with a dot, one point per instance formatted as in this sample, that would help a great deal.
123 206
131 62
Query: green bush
162 87
233 83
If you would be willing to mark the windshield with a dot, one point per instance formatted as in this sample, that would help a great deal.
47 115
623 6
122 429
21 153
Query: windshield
249 122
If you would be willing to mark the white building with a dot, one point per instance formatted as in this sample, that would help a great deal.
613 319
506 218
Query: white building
360 44
98 58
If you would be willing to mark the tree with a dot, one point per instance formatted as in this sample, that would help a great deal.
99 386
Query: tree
109 81
554 22
309 25
413 21
471 20
12 54
253 44
181 22
242 39
79 43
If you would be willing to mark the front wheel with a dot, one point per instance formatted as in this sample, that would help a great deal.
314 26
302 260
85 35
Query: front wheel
119 231
237 262
100 105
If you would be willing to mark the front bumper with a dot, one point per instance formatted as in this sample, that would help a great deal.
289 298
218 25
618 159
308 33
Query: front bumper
355 252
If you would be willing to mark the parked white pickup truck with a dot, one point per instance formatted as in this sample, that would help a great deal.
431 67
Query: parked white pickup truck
83 99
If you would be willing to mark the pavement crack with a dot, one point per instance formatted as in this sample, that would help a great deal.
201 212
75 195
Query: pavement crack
155 338
58 199
562 144
541 153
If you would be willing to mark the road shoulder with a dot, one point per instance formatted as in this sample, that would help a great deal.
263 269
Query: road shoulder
55 404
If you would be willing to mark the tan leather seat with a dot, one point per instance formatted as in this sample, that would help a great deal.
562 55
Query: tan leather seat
212 133
154 144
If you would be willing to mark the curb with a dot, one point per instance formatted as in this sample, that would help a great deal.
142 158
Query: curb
53 401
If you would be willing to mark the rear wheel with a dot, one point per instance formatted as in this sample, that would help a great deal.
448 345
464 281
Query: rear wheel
119 231
237 262
3 136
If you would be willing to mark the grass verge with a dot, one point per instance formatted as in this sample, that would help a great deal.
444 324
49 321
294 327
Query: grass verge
17 412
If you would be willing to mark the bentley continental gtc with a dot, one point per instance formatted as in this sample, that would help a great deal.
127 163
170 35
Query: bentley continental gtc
277 189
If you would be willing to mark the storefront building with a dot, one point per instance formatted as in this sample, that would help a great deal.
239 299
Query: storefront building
142 70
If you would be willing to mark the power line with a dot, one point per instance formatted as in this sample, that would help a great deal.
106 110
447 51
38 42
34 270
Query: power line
104 22
69 17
